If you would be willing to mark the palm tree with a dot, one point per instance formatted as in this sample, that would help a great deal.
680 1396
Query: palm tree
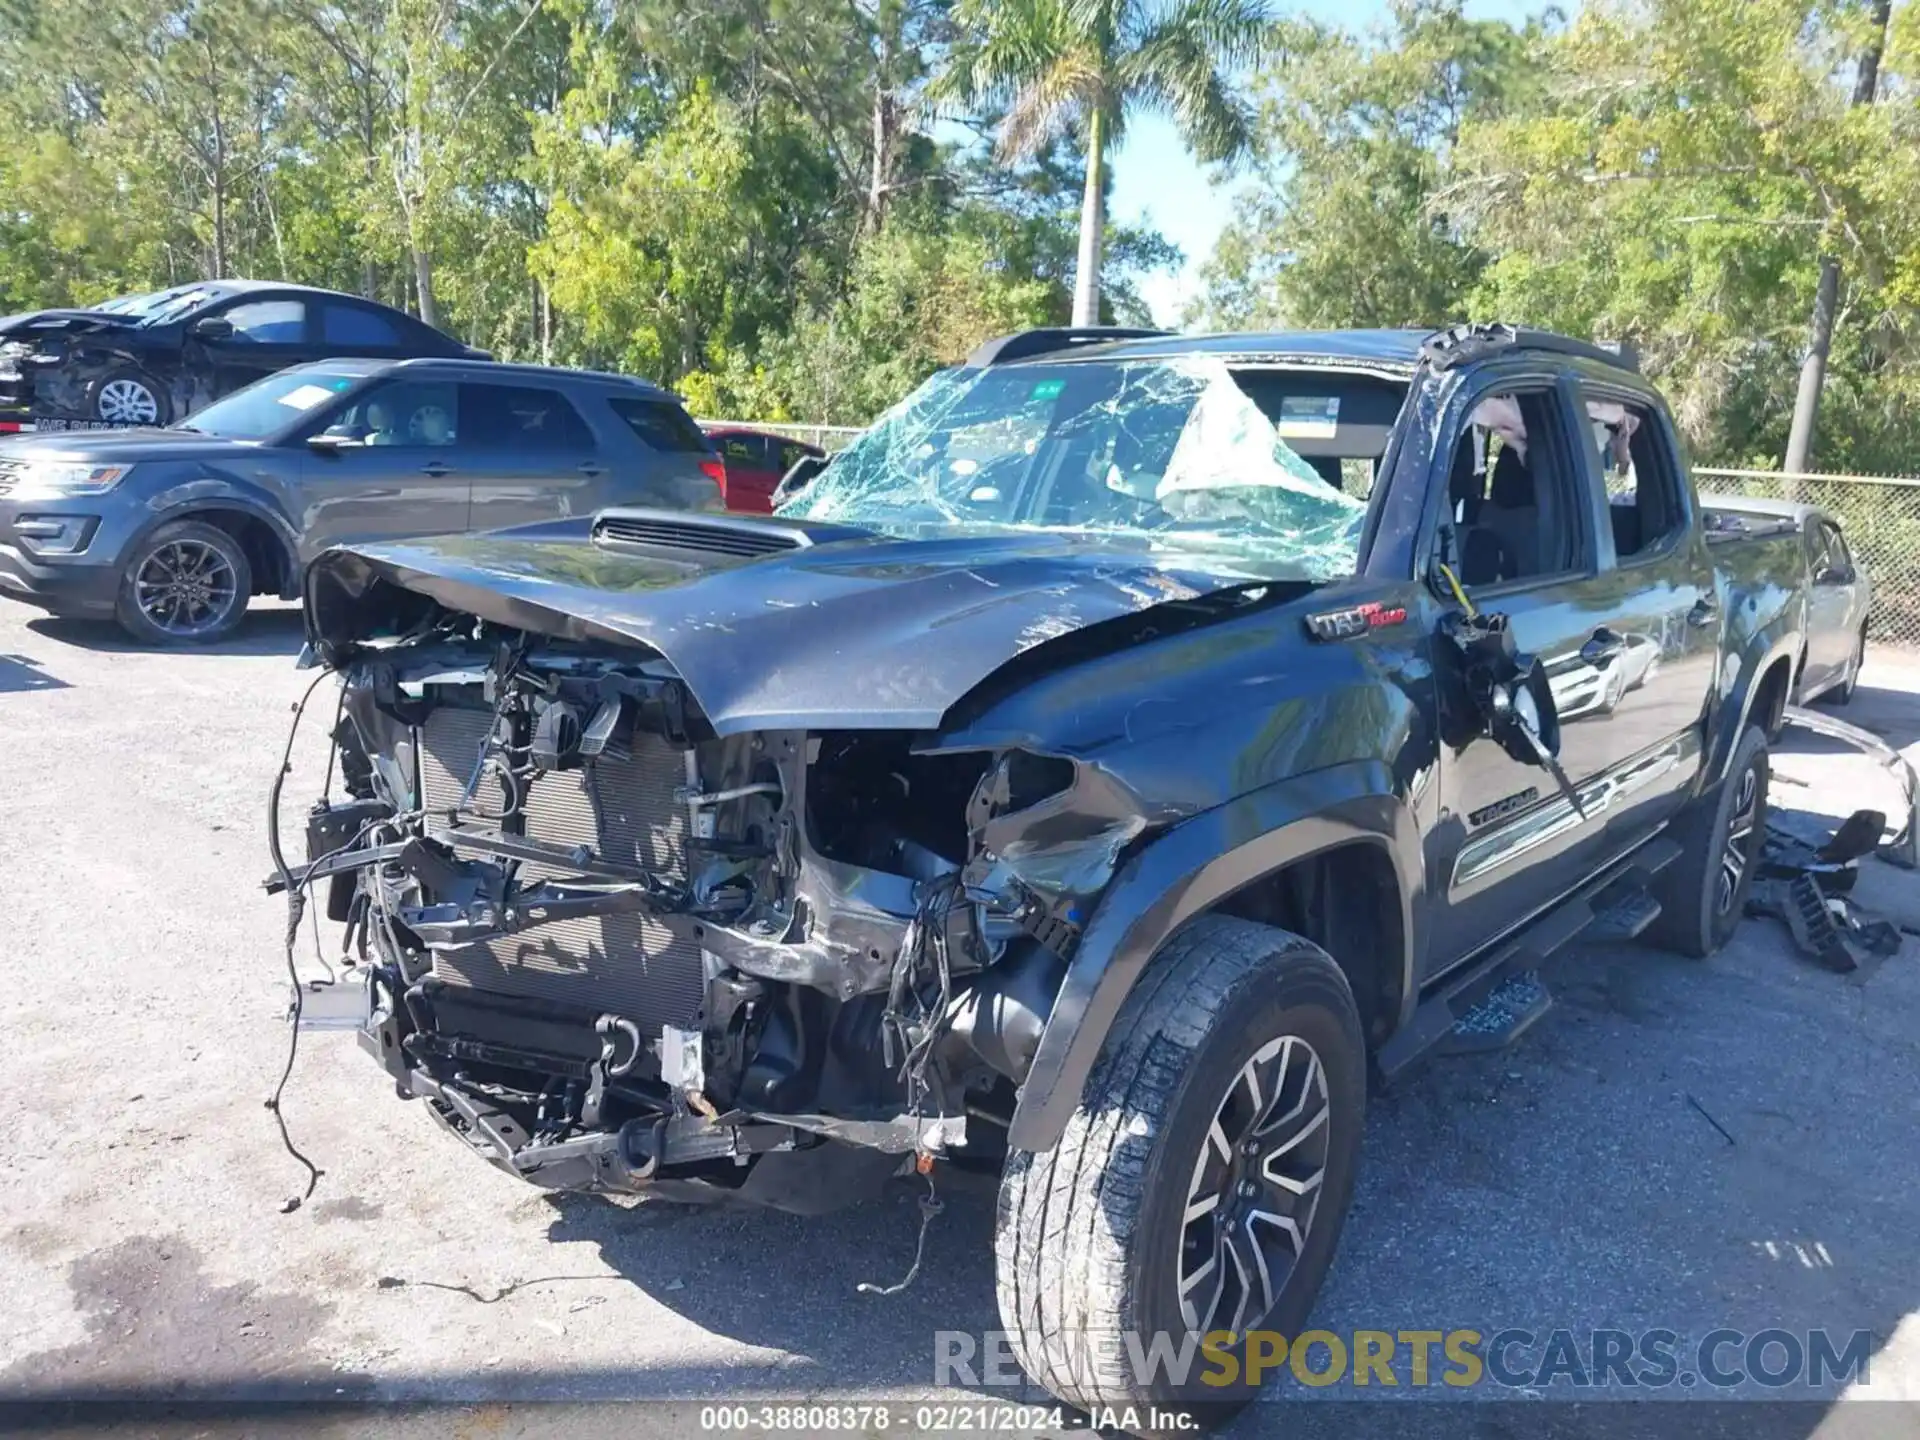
1087 66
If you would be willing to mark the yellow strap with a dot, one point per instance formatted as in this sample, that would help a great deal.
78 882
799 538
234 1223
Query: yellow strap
1453 584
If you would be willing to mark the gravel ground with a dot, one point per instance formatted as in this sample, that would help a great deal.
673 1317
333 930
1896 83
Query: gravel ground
1677 1144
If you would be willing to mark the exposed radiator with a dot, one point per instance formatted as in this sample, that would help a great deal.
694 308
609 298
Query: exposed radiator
625 809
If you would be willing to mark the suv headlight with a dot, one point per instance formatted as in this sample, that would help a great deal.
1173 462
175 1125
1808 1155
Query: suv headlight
61 478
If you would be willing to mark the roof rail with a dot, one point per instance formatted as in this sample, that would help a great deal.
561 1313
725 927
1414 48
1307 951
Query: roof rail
1460 344
1028 343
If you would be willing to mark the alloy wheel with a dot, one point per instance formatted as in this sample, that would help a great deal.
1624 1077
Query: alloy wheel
186 588
128 402
1255 1188
1742 838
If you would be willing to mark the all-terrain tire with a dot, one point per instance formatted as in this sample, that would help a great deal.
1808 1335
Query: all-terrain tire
1701 901
1088 1236
221 582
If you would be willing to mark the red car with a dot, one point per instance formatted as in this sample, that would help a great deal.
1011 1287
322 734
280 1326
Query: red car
753 462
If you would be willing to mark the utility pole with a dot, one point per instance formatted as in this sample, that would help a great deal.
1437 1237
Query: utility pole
1826 294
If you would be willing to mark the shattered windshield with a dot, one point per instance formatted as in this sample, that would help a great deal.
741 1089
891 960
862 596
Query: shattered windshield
126 304
164 306
1169 450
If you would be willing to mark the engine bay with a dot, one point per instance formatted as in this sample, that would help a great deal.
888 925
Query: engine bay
615 950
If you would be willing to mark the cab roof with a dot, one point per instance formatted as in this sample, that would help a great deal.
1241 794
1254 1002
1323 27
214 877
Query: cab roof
1393 350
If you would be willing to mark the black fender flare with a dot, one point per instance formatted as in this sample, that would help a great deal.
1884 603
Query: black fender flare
195 498
1788 646
1187 870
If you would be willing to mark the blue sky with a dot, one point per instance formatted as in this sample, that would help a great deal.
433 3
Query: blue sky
1157 182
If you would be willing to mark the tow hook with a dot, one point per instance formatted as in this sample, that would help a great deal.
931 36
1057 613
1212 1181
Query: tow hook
642 1170
608 1027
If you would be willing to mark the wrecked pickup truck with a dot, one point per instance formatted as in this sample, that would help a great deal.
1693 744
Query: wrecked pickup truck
1121 754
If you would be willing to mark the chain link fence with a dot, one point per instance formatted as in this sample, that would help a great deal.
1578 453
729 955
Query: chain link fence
828 437
1880 517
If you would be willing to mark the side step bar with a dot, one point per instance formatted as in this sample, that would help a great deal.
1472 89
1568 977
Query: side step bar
1472 1009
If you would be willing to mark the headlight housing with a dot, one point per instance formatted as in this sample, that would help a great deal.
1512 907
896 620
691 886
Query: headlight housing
60 478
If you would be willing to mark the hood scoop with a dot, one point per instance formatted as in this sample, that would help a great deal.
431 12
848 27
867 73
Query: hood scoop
709 535
678 531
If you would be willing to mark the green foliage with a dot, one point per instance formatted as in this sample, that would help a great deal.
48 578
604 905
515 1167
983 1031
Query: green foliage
1354 138
742 198
1666 172
1058 68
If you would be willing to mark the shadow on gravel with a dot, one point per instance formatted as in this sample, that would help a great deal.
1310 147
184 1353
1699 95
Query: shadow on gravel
263 632
1893 715
22 673
790 1283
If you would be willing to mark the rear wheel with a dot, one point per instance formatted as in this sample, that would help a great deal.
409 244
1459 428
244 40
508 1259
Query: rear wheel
1703 893
1202 1181
186 584
1843 692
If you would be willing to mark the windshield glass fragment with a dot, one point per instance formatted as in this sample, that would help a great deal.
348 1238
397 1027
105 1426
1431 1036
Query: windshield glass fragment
1169 452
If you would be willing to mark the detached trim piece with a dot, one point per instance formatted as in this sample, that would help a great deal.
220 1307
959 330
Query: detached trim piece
1904 848
1461 344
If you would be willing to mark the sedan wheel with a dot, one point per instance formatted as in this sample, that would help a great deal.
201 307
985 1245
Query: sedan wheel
124 400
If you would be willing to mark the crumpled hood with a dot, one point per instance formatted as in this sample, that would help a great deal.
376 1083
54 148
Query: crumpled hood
859 632
30 323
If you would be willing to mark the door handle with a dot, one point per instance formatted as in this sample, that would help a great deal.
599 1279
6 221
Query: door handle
592 469
1704 612
1602 647
435 468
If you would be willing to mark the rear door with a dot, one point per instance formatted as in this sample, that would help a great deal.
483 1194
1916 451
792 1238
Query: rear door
390 471
1526 524
1831 627
1664 633
529 454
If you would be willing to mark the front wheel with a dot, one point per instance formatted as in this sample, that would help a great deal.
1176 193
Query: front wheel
1703 893
1201 1183
187 583
128 397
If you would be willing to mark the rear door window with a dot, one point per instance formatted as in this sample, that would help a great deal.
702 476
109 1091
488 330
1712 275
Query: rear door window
662 425
526 419
1645 495
356 325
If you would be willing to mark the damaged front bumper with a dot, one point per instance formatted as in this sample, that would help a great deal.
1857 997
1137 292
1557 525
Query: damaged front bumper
611 950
